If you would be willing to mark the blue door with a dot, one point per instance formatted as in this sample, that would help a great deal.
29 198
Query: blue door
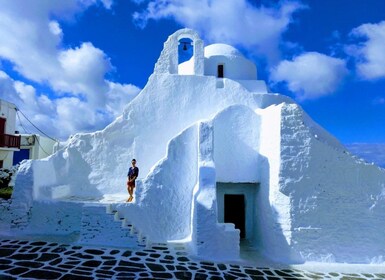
20 155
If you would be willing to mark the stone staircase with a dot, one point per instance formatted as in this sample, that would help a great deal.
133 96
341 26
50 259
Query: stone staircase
126 225
101 224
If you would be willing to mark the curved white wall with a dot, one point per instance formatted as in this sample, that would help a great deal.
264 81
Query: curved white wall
235 68
164 199
236 144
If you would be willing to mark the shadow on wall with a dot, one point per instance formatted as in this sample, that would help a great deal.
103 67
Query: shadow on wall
269 238
237 160
162 209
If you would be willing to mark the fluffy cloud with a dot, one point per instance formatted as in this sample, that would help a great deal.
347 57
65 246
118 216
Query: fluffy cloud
370 53
310 75
82 99
83 71
235 22
31 41
64 115
30 37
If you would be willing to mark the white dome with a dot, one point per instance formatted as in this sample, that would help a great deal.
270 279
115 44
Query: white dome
221 50
231 61
234 65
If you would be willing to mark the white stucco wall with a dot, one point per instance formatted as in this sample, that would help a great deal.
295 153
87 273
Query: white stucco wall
336 201
166 106
43 148
169 186
236 142
8 111
210 239
235 68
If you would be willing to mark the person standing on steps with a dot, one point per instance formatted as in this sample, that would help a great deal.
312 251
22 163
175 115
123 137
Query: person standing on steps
133 173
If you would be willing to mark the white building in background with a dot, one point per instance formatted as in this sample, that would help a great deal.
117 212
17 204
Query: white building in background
33 146
15 147
9 141
221 159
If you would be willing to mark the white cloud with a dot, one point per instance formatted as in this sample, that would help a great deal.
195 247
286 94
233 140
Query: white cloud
311 75
64 115
30 37
55 29
118 96
37 107
7 89
235 22
107 3
31 41
83 71
370 54
83 99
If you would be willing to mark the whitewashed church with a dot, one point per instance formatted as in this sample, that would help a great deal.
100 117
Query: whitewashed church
222 162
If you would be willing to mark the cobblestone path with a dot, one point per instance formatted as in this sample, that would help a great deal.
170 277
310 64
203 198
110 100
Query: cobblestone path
46 260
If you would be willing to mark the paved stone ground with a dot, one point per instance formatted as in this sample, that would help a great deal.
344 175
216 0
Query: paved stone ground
46 260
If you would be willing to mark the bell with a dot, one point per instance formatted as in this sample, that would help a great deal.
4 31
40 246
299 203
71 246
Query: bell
184 46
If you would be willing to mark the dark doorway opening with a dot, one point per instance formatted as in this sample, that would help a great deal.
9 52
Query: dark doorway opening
235 211
220 71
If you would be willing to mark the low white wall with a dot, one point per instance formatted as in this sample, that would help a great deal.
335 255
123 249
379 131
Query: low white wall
22 197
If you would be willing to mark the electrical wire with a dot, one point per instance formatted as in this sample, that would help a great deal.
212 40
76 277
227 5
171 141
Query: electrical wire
34 136
18 110
41 147
21 124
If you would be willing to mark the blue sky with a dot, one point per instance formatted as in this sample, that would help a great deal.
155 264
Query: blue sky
72 66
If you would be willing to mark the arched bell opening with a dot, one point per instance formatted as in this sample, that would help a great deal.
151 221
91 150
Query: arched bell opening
186 56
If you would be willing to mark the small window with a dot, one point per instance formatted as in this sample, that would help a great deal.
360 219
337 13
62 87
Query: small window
220 71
